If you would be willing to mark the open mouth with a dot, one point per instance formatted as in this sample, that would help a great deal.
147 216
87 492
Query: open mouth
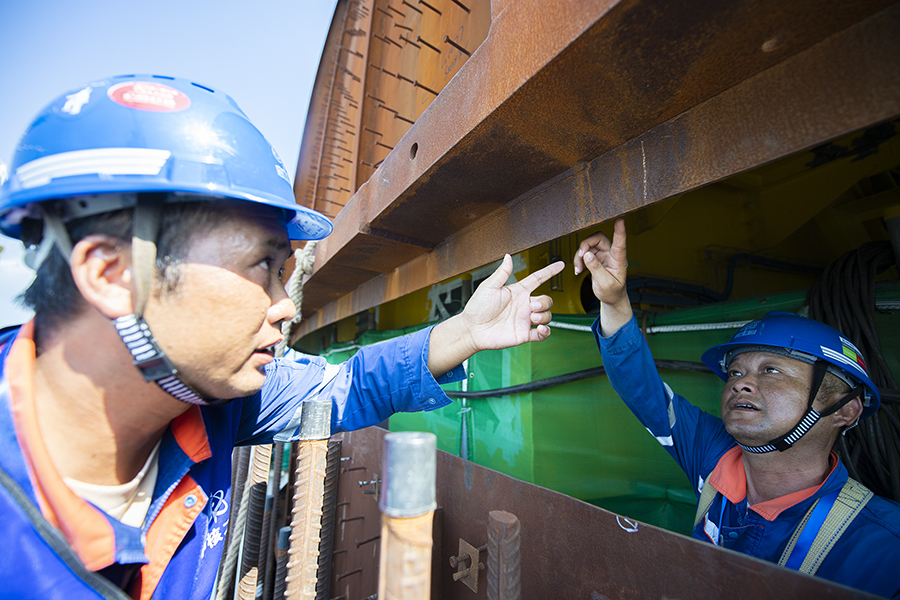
743 406
268 350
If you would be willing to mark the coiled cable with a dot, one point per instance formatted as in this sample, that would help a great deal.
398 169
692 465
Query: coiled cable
844 297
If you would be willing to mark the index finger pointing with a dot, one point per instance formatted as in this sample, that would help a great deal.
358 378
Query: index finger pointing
618 241
538 277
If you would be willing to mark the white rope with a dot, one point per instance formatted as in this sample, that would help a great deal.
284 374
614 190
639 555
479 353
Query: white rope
304 258
661 328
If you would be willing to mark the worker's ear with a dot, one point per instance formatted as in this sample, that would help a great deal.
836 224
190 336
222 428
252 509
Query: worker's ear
101 268
848 414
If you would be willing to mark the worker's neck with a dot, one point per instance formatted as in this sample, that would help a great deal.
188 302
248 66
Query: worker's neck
778 474
98 418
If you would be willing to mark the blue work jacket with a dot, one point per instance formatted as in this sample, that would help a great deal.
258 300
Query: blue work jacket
865 557
57 545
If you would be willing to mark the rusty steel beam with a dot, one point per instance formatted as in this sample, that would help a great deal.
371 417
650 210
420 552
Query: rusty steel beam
569 548
506 169
310 158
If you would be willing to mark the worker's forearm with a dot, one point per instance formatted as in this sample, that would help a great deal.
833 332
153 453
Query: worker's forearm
451 343
614 316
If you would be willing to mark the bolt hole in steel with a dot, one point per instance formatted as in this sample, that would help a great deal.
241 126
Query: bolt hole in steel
413 150
773 44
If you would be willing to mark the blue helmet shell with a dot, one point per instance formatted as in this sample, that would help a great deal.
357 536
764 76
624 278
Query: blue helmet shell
804 339
149 133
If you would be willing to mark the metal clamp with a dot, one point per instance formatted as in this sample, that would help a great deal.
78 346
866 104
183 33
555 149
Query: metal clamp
467 564
376 487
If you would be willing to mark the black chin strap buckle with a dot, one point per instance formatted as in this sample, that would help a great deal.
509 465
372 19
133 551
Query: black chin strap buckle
152 362
790 438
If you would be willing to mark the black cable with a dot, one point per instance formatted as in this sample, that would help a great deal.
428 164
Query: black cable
844 297
678 293
540 384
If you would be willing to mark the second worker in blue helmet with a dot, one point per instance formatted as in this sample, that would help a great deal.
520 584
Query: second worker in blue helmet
159 219
767 481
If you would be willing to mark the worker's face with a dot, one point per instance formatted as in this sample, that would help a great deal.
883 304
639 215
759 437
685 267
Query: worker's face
764 396
221 326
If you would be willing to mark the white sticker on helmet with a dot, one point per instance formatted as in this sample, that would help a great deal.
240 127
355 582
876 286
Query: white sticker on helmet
98 161
840 358
75 102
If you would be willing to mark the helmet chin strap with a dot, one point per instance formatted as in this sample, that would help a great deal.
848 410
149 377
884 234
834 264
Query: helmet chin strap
149 358
810 418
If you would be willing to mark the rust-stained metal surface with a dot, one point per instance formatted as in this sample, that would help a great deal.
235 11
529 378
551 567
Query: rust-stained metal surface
357 535
383 64
569 549
616 106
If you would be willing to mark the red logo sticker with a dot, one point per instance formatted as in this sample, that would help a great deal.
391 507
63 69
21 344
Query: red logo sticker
148 96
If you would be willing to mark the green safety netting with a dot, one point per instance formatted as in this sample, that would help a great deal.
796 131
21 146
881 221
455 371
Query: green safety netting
578 438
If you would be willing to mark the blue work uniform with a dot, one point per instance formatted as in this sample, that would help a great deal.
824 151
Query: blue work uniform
176 553
866 556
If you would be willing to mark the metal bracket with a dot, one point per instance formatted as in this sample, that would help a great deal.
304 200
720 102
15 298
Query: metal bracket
467 564
376 487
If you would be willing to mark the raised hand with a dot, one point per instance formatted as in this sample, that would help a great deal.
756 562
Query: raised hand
501 316
607 262
496 316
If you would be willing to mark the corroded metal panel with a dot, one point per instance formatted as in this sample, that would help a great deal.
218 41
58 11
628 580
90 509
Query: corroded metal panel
383 63
569 549
319 114
354 572
846 82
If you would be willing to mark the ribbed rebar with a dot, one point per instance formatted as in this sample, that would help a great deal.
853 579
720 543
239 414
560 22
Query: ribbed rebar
265 547
503 568
405 563
274 521
407 503
281 561
326 534
306 524
240 464
259 477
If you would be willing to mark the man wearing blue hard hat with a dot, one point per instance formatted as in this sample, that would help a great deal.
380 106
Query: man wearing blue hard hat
767 480
158 219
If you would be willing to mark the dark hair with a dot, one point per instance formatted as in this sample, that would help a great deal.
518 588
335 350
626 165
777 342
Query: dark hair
831 385
55 298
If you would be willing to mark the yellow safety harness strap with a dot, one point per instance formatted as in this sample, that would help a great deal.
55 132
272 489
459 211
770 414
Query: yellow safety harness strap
849 503
707 495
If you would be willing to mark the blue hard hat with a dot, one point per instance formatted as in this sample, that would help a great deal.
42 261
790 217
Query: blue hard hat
803 339
148 133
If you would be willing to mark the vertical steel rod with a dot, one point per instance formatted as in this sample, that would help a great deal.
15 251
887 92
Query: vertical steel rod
265 545
259 477
281 560
309 491
503 568
407 505
326 534
303 561
274 519
240 468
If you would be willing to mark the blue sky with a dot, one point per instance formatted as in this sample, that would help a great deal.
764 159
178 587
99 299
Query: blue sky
264 54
